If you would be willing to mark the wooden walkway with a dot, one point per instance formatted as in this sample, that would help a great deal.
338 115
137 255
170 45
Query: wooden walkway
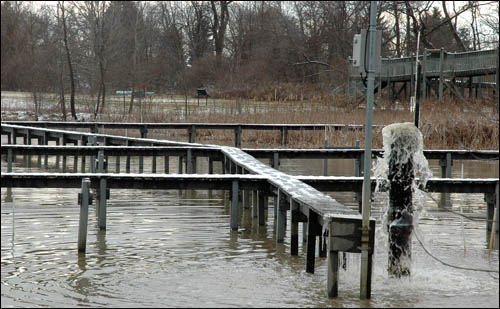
191 128
440 70
320 214
305 203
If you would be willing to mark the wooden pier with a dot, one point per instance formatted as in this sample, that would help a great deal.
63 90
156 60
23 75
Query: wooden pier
441 71
323 218
191 128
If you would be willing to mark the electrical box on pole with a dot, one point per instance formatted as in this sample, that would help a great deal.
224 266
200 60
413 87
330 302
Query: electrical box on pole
360 52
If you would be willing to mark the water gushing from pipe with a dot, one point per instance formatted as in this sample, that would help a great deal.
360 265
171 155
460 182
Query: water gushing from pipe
402 162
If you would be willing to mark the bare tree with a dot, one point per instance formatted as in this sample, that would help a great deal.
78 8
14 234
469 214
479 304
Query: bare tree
453 28
70 63
220 18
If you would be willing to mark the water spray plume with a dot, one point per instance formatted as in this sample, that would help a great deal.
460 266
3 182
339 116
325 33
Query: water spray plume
403 159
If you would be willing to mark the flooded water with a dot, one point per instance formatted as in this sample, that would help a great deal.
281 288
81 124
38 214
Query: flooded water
175 248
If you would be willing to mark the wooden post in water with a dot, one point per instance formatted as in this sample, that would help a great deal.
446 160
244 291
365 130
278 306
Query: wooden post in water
280 218
246 194
9 160
166 164
294 229
262 197
117 164
189 162
84 215
91 141
144 134
237 137
446 165
234 205
333 267
255 204
192 134
312 227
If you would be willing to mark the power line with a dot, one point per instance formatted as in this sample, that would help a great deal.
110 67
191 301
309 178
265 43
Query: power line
450 265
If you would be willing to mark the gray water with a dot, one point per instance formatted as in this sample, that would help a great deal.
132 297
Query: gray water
175 248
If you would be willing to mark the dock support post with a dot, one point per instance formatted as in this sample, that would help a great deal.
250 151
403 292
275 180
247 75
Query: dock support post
446 165
280 218
261 205
46 157
210 165
141 164
255 204
333 267
92 141
246 194
64 158
304 232
102 204
75 161
237 137
127 159
153 164
9 160
276 165
491 200
144 134
179 168
117 162
234 207
312 227
189 162
166 164
284 135
84 215
192 134
294 229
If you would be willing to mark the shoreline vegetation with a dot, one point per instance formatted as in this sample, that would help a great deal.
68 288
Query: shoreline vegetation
448 124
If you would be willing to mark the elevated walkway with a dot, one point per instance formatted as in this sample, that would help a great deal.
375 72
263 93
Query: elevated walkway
441 70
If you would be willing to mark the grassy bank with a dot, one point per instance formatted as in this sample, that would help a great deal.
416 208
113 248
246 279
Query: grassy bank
450 124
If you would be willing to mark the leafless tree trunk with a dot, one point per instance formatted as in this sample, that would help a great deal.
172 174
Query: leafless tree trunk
219 25
396 24
134 61
453 29
70 64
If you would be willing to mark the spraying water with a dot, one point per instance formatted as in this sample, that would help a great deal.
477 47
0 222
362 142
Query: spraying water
402 163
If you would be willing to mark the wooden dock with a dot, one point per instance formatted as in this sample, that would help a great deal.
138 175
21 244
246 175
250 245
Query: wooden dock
191 128
323 218
441 71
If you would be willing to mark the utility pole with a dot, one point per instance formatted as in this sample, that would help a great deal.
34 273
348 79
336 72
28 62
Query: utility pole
366 271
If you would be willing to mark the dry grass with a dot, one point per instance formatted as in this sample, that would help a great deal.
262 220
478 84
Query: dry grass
450 124
444 125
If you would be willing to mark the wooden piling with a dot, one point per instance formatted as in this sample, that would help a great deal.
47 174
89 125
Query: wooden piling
237 137
255 204
84 214
262 201
294 229
280 218
102 204
117 164
234 207
333 268
311 241
166 164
